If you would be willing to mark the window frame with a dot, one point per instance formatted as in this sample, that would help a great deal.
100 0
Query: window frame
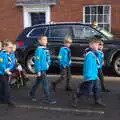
104 23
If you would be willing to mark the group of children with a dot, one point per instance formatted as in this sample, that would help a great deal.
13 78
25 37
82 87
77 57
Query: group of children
92 70
8 67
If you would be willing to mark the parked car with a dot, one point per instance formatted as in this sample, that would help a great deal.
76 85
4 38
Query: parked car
27 41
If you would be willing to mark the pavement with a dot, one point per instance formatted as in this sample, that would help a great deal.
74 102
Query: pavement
27 110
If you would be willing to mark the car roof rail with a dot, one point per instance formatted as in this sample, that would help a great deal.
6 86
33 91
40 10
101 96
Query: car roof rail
52 22
64 22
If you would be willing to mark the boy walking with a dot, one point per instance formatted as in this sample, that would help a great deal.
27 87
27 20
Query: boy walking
64 59
42 63
90 73
100 71
5 71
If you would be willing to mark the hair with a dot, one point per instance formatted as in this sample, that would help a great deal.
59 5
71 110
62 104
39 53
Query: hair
67 39
94 40
14 47
41 36
6 42
101 42
94 23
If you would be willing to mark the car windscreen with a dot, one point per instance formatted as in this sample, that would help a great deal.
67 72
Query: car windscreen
105 32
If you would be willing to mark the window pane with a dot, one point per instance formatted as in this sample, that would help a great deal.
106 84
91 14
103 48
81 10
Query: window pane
37 32
87 10
106 27
106 10
100 25
93 10
93 18
37 18
100 18
106 18
100 9
60 32
84 32
87 18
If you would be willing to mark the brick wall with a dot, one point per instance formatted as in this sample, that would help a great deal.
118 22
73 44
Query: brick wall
10 20
72 10
11 17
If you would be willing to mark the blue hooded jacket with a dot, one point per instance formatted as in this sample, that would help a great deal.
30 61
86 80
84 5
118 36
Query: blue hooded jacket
42 59
12 60
4 62
64 57
90 67
100 58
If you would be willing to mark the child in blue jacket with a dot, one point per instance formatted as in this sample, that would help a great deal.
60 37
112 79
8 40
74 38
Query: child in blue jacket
5 72
12 58
64 59
42 63
100 71
90 74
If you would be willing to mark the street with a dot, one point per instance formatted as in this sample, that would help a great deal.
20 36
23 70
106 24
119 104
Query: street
63 110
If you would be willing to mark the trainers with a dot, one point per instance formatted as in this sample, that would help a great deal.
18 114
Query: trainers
74 100
32 97
50 101
54 86
105 90
68 89
100 104
11 104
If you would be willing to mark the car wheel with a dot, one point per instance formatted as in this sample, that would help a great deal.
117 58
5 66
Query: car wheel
30 64
116 65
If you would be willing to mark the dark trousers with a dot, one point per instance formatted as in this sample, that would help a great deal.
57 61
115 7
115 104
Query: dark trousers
4 88
42 79
101 77
65 75
87 87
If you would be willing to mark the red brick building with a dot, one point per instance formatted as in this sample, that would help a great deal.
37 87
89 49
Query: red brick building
15 15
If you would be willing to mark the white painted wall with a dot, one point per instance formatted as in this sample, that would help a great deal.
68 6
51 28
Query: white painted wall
27 9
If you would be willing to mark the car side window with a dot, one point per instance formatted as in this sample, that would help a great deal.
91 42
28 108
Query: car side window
59 31
36 32
84 32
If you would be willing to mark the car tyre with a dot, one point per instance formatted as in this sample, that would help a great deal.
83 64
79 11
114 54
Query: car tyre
116 65
30 64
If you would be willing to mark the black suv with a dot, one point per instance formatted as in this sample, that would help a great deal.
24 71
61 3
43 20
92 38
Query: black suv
27 41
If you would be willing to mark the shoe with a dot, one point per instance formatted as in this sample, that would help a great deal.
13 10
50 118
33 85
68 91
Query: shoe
105 90
32 97
75 100
11 104
54 86
50 101
100 104
68 89
2 102
30 94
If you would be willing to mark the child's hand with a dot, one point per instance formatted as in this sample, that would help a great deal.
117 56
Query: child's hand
8 71
64 66
39 74
19 68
